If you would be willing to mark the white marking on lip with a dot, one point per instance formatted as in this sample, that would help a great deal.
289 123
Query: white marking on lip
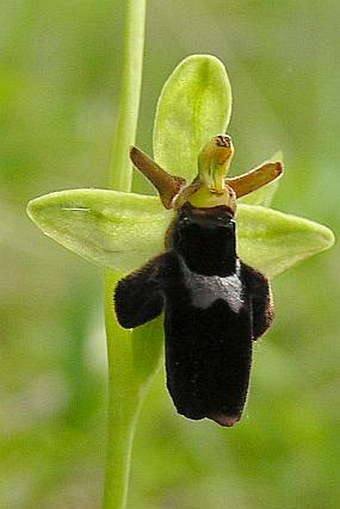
205 290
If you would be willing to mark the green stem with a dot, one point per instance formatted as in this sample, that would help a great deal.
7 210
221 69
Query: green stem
134 360
131 83
123 407
124 400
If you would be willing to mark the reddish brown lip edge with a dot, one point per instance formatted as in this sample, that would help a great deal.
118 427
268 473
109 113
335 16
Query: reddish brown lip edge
225 420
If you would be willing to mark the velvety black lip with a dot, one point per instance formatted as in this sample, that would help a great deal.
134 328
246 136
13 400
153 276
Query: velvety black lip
208 346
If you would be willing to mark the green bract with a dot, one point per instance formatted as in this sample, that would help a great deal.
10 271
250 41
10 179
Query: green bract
122 230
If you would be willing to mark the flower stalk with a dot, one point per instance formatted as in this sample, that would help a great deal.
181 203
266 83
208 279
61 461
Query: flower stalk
120 170
123 401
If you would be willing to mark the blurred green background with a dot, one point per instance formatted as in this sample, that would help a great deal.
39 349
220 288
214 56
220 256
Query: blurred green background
60 70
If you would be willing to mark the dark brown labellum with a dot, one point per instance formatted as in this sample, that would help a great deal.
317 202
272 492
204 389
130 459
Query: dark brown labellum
214 306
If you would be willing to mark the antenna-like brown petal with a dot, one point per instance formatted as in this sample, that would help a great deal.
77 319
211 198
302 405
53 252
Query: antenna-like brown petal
256 178
167 185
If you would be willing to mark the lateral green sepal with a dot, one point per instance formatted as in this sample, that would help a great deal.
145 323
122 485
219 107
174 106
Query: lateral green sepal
123 230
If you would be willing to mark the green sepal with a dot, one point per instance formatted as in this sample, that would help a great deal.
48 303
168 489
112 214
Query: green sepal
195 105
122 231
273 242
114 229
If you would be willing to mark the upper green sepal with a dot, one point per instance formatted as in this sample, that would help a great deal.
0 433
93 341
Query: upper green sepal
194 105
